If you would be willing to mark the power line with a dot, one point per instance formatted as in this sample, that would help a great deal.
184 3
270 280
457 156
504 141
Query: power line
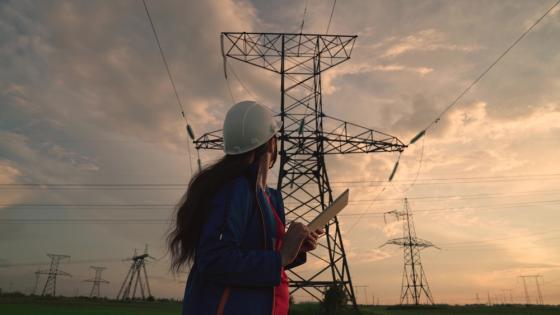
484 241
487 245
447 180
330 18
427 183
181 108
467 196
157 205
448 209
454 178
166 65
244 86
303 17
83 221
161 221
423 132
477 79
70 262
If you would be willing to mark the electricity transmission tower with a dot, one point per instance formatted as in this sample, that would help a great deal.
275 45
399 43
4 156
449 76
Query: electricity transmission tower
52 274
365 287
133 279
507 293
306 136
415 289
95 288
37 276
539 300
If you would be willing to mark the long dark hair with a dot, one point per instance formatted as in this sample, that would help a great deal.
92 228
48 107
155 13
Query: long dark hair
192 211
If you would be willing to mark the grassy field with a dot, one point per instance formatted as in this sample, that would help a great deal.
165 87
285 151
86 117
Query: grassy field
66 306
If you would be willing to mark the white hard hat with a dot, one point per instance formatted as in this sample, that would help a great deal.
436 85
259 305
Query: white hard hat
247 126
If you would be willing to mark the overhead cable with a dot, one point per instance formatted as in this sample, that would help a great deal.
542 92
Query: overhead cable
166 65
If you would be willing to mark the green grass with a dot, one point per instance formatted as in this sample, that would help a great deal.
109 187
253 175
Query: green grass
70 306
38 306
312 308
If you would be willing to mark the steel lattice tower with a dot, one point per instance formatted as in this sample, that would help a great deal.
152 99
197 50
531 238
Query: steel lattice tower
539 299
306 136
53 273
95 288
133 279
37 276
415 286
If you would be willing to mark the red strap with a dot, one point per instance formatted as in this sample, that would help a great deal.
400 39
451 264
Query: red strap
280 229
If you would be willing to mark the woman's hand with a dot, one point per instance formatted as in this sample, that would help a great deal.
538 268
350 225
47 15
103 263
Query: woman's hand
293 240
310 243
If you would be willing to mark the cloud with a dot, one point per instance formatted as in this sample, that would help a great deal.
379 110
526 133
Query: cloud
353 69
393 229
423 41
495 278
8 174
368 255
70 157
396 67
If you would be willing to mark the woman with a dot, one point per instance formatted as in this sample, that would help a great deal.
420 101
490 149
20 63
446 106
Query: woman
230 227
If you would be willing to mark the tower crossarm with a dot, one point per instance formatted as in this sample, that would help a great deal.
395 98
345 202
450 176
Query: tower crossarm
346 137
210 141
95 280
266 50
58 272
63 273
405 241
343 138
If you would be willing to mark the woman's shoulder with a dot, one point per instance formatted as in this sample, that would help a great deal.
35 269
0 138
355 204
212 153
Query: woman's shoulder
237 186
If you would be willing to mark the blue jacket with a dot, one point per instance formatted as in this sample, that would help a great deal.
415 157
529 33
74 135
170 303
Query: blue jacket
236 267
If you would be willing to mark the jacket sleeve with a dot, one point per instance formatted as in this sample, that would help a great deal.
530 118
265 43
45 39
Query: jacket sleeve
220 257
301 258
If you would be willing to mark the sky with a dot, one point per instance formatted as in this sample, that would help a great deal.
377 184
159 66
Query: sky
90 130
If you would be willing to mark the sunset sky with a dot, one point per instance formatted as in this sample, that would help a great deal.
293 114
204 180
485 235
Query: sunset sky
89 121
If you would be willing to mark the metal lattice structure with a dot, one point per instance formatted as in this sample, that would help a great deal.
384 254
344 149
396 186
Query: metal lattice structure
97 280
133 280
37 276
539 299
306 136
50 285
415 289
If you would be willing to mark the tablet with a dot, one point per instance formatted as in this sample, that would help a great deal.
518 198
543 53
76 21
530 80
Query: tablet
332 210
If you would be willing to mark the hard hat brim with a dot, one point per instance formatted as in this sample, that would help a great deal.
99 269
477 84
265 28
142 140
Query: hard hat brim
277 127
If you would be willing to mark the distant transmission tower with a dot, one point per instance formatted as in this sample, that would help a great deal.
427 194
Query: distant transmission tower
95 288
539 300
306 136
133 279
53 273
507 293
539 293
37 276
415 289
